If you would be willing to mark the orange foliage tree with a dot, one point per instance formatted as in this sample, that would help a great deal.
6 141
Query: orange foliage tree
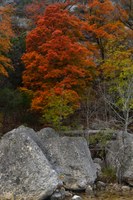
6 34
57 62
125 12
103 25
36 8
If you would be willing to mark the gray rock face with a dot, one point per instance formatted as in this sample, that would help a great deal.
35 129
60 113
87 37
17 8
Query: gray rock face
21 22
113 150
27 160
120 156
25 172
98 161
47 133
98 169
71 159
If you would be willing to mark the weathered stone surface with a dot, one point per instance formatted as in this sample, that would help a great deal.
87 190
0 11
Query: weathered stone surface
98 169
120 156
25 172
113 150
24 163
71 158
47 133
99 161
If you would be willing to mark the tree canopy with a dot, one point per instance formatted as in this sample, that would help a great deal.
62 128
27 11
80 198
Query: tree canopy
6 34
57 60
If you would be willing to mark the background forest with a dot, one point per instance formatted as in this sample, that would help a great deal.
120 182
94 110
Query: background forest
67 65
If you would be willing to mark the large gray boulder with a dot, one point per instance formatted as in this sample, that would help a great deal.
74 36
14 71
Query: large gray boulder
119 155
71 159
25 172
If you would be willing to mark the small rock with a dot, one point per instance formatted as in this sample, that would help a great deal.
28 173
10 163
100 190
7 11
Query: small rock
125 188
101 185
98 160
56 196
76 197
68 194
62 190
82 183
116 187
59 194
89 190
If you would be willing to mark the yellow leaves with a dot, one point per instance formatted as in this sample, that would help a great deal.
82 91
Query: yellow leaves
60 104
119 61
5 21
3 71
4 64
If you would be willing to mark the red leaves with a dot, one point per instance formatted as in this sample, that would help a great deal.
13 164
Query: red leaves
100 16
55 59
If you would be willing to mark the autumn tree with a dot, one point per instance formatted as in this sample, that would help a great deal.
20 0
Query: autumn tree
57 63
6 34
118 72
36 8
103 26
100 26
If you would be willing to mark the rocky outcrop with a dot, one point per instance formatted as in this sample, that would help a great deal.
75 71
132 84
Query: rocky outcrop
21 22
25 172
71 159
33 165
119 155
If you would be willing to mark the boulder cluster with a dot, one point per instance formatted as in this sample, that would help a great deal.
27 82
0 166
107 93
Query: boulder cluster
45 165
36 165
